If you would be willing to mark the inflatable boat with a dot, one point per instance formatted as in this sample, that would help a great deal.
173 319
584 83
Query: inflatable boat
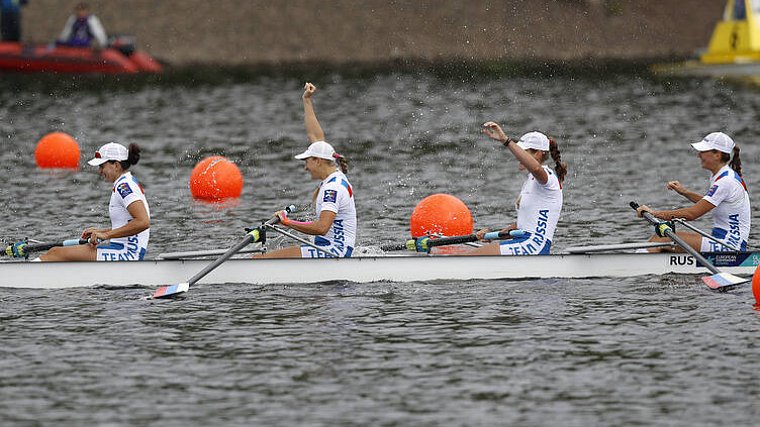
118 58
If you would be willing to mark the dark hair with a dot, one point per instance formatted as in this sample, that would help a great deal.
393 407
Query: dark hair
132 158
735 163
560 167
342 162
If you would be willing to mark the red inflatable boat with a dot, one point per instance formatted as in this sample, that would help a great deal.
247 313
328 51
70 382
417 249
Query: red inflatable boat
118 58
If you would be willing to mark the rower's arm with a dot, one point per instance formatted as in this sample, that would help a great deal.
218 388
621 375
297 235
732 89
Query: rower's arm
316 228
690 214
313 129
140 222
494 131
530 163
680 189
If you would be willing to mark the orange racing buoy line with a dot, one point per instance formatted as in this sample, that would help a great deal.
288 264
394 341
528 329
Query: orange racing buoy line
440 213
216 178
57 150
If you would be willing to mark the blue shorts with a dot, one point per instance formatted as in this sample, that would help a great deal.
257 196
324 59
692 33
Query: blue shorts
339 251
524 246
114 251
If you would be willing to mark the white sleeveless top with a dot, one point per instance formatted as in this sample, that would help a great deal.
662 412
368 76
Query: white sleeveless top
126 190
336 195
539 206
731 215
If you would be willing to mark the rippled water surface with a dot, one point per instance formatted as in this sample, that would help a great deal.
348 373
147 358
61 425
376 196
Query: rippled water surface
637 351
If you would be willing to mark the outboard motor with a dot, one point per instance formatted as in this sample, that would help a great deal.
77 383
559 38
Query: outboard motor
124 43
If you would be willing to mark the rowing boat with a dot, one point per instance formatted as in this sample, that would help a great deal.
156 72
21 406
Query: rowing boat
363 269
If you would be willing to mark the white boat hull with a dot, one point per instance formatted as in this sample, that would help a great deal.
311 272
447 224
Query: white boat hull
153 273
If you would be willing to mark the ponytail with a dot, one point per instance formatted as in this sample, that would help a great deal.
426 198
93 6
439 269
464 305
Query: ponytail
132 157
342 162
736 161
560 167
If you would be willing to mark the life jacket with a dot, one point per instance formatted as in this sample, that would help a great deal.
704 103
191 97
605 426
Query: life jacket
81 35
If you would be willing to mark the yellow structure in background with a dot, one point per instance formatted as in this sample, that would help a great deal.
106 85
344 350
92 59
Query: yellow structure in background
736 38
733 51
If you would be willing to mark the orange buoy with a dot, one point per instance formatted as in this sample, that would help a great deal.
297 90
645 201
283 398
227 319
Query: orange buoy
57 150
216 178
756 287
441 213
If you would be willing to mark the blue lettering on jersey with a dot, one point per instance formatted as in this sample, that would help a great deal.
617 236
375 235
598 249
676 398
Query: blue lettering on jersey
734 234
339 235
539 235
712 190
124 190
330 196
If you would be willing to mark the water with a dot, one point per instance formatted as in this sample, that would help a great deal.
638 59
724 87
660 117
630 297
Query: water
637 351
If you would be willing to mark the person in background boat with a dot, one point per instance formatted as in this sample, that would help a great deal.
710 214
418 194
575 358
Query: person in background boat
727 198
10 19
540 201
335 227
130 215
82 28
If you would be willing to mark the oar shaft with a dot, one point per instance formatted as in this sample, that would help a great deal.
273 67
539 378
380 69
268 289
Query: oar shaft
22 249
249 238
45 246
494 235
423 244
680 242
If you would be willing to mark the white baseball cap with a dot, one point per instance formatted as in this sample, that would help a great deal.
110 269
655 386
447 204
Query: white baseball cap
534 140
108 152
319 149
715 141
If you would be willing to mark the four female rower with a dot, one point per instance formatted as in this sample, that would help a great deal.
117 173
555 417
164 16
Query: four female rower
130 216
540 200
727 198
335 227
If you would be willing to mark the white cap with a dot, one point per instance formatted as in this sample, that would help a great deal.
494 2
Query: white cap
534 140
715 141
319 149
110 151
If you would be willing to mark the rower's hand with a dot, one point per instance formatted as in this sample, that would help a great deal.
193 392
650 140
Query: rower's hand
493 131
643 208
308 90
676 186
283 216
482 233
95 235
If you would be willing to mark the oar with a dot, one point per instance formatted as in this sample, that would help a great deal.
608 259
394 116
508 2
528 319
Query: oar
253 236
425 243
23 249
718 281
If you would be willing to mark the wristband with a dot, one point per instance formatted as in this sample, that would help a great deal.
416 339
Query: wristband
508 141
